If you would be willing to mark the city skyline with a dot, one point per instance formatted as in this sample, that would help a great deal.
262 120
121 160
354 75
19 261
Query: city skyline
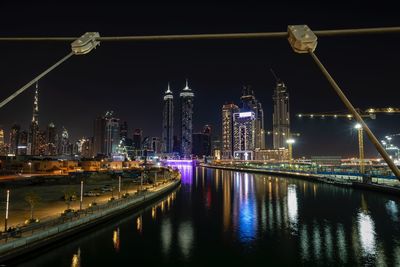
188 134
217 69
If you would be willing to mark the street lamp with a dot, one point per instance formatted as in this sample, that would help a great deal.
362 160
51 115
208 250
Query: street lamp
360 131
290 143
7 205
30 167
81 199
119 186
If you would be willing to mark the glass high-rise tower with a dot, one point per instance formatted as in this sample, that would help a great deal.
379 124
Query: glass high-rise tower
227 129
168 122
186 97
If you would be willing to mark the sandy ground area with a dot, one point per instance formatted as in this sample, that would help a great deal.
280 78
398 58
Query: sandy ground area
51 201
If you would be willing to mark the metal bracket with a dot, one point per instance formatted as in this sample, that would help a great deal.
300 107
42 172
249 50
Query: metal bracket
301 38
85 43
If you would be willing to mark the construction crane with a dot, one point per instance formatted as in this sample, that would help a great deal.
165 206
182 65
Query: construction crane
365 113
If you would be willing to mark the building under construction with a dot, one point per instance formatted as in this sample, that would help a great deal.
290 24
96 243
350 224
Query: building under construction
281 116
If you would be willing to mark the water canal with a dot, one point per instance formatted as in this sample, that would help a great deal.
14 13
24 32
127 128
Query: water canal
232 218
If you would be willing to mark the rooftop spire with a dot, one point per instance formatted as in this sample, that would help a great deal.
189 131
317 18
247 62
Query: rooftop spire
168 93
168 90
186 86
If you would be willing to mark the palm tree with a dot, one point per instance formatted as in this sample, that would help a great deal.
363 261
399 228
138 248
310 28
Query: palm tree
32 199
68 195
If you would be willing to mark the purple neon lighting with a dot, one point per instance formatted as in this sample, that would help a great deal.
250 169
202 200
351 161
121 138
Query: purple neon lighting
178 161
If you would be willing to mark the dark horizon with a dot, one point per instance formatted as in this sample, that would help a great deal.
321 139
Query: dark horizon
130 78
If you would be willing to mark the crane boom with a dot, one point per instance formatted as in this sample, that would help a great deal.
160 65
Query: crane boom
336 115
366 113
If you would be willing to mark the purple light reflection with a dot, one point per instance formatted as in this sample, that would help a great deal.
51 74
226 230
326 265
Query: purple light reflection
185 167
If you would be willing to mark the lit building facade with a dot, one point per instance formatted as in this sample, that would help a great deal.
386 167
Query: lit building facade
281 116
250 103
227 129
244 128
186 97
107 135
281 154
112 136
65 147
168 122
51 140
3 146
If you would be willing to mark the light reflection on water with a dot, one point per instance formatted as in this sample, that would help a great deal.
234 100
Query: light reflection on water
76 259
185 238
366 231
239 217
292 206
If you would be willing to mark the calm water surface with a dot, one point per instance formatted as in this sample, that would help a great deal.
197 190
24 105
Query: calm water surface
233 218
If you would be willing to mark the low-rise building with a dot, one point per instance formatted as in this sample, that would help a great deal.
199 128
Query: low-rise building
131 164
90 166
47 166
281 154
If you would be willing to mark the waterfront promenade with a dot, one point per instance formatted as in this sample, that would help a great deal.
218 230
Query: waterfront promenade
31 237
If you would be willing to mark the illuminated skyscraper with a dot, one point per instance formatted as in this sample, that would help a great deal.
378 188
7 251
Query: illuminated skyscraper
186 97
244 135
281 117
51 140
112 136
227 129
168 122
250 103
1 136
106 134
33 138
65 147
3 148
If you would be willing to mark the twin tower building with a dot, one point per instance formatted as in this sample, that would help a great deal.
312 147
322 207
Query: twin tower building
243 130
170 143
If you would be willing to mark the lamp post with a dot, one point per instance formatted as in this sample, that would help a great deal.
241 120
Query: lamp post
30 167
290 143
360 131
81 199
7 205
119 186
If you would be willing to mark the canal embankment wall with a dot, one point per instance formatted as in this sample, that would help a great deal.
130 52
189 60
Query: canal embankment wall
344 180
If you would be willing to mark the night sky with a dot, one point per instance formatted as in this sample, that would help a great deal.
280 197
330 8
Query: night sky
130 78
